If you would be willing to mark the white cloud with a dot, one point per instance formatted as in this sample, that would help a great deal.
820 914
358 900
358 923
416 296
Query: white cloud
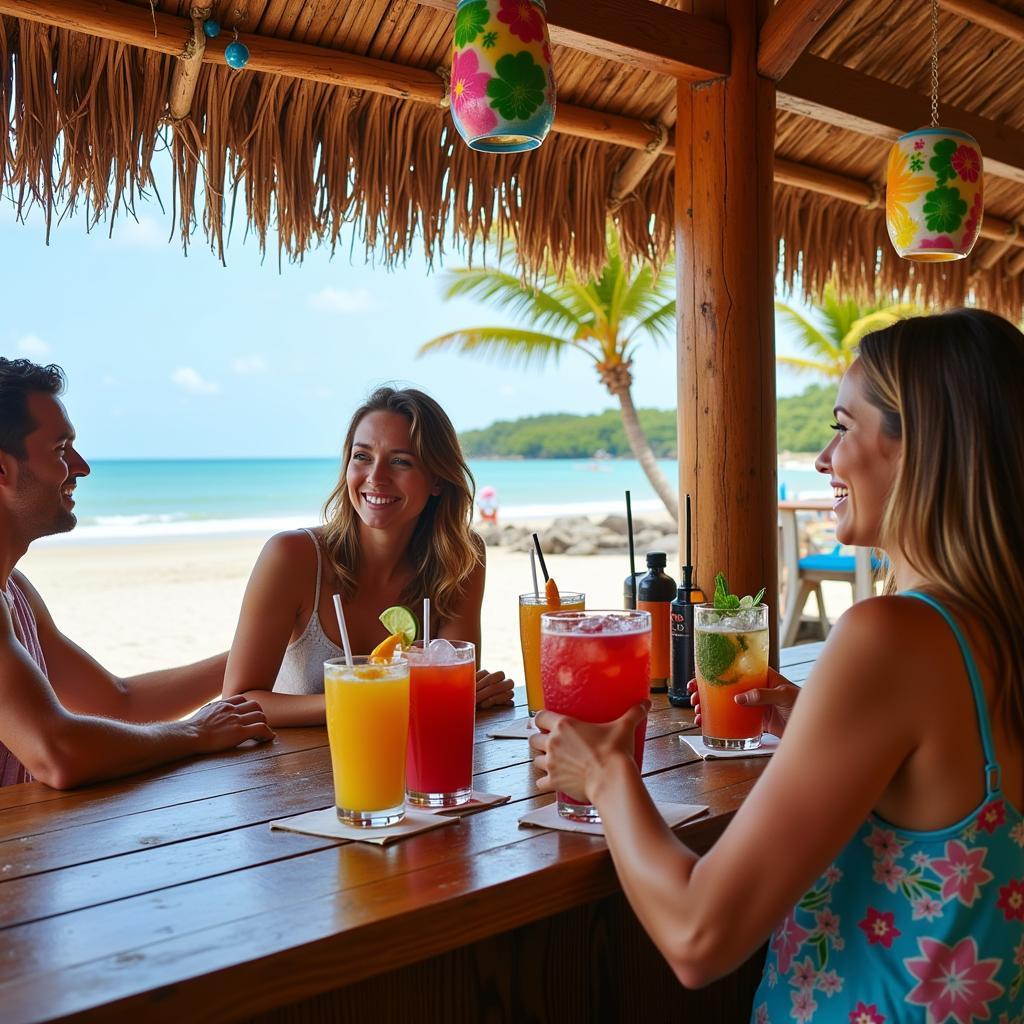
249 365
32 346
194 382
343 300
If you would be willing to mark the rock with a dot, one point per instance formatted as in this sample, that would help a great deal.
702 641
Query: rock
583 547
555 542
611 544
575 526
490 534
614 524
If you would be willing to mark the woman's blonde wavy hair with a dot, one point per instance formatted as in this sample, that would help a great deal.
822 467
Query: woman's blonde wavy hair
949 387
443 550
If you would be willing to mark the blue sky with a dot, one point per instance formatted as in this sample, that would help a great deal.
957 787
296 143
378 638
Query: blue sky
171 356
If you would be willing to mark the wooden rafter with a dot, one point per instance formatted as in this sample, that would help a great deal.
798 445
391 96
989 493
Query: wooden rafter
980 12
788 31
637 33
186 71
857 102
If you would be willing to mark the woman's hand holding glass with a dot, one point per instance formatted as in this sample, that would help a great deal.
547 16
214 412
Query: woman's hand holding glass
571 755
777 698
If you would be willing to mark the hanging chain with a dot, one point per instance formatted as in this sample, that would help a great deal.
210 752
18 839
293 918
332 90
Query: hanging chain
935 63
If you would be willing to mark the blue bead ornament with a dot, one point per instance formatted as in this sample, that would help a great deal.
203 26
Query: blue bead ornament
211 28
237 54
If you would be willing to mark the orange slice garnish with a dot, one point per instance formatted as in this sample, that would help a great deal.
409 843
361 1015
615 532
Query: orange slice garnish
551 594
384 651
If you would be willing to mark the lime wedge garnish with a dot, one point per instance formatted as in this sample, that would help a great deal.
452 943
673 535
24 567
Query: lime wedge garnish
399 619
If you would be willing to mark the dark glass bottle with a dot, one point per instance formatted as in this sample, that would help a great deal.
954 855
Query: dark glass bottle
681 618
629 590
654 594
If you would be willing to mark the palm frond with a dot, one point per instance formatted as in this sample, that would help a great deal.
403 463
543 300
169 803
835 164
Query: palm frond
549 308
507 345
828 369
810 336
659 323
876 320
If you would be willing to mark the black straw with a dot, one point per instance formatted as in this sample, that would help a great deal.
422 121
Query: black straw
540 557
629 533
688 567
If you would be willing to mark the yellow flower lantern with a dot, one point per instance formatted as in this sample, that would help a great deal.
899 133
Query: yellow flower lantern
934 194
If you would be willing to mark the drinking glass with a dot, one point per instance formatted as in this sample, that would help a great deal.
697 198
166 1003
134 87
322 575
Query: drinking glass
531 607
594 666
367 727
731 657
442 715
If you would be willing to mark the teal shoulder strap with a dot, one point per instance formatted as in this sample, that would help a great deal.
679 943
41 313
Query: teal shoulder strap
992 775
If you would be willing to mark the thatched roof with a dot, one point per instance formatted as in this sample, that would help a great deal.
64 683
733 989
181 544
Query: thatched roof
296 160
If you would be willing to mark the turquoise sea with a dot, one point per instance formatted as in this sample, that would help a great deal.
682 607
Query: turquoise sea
147 499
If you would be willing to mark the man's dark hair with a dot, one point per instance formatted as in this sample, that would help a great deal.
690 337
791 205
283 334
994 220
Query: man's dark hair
18 379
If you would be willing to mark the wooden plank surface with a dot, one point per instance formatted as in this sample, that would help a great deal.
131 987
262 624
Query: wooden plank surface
169 897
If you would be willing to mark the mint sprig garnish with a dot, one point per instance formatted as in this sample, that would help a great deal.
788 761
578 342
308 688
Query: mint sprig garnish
726 602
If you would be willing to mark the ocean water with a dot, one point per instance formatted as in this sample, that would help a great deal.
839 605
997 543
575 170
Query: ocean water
163 498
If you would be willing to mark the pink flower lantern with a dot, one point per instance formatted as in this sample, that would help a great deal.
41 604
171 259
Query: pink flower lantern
934 197
503 83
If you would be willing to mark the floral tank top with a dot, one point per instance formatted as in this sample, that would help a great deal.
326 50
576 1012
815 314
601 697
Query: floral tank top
910 926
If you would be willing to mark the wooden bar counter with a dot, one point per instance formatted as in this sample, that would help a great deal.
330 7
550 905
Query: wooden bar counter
168 898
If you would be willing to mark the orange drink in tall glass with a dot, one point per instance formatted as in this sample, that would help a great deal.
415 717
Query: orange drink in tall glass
531 608
595 666
731 657
442 714
367 727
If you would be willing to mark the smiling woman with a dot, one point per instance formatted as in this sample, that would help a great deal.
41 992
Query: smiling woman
397 530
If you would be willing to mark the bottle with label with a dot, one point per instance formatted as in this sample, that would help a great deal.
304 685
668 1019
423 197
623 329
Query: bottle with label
629 591
681 620
654 594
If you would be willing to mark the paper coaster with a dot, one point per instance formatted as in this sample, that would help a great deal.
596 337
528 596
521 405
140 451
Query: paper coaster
548 817
769 744
477 802
517 729
325 823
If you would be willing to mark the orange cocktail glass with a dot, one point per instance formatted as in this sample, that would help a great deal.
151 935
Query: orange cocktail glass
731 657
531 608
594 666
442 715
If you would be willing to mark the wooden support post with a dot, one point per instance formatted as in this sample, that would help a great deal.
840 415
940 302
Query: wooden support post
186 71
726 277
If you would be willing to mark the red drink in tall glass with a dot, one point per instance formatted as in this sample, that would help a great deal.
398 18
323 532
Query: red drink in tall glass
442 711
594 666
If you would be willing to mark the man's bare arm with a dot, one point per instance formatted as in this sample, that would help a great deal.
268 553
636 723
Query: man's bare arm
64 749
84 686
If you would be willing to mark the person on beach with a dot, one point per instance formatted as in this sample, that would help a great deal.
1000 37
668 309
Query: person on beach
881 852
64 719
397 530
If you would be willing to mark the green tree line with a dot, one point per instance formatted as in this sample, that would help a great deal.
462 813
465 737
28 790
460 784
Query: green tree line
803 426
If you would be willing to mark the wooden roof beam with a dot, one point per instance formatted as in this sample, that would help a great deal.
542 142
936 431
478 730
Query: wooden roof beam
788 31
637 33
857 102
980 12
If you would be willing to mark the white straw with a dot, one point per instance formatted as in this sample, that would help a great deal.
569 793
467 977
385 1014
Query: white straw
533 571
426 622
346 646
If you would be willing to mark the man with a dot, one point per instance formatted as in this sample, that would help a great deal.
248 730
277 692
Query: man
64 719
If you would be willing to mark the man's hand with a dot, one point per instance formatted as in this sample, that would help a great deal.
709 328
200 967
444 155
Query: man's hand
492 689
226 723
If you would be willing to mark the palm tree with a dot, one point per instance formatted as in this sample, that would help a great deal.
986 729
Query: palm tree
606 318
834 348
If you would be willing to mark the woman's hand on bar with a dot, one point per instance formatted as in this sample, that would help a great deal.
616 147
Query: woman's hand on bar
572 755
492 689
778 698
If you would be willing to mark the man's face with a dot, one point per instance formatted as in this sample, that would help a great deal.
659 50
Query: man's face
42 484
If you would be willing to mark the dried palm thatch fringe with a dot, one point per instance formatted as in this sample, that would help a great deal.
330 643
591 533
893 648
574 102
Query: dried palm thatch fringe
823 238
84 117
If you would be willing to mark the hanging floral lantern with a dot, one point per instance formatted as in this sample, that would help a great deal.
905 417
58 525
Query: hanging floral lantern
934 185
503 82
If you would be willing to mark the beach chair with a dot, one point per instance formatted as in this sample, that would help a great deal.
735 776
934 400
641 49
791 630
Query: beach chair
804 574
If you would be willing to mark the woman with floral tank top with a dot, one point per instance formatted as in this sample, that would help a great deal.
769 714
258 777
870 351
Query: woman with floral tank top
881 853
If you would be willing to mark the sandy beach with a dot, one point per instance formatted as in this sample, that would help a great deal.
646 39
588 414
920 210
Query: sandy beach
138 606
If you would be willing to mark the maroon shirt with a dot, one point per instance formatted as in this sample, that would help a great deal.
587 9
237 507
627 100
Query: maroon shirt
12 770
